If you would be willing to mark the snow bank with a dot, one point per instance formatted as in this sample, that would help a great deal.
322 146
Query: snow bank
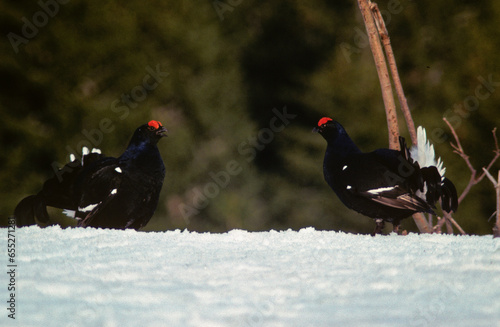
90 277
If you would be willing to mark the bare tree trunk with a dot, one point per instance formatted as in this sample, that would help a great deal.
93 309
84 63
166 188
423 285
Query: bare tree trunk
421 223
386 41
383 73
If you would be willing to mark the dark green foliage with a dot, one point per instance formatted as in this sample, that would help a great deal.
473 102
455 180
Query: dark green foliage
229 64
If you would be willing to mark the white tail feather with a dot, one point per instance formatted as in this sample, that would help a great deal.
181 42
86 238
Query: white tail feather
423 152
69 213
85 151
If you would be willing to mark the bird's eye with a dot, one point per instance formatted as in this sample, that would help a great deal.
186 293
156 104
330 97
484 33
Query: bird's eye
151 128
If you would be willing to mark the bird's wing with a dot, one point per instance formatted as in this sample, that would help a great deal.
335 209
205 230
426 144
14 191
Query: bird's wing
58 190
383 177
396 197
97 187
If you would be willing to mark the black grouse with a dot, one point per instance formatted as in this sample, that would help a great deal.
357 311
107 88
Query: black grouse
386 185
102 191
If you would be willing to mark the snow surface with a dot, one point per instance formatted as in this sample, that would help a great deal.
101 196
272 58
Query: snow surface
95 277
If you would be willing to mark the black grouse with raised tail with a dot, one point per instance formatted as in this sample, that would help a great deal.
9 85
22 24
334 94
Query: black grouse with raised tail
102 191
386 185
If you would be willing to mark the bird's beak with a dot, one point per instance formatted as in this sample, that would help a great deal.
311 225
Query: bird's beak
162 132
316 130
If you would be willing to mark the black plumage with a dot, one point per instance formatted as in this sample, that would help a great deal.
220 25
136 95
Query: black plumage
102 191
386 185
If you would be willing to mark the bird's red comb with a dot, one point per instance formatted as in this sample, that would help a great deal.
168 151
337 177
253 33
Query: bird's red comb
155 124
324 120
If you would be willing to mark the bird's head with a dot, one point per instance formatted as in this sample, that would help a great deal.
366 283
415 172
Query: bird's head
323 124
326 126
152 132
330 129
156 129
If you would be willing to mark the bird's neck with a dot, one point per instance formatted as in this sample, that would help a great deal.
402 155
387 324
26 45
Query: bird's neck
341 146
142 154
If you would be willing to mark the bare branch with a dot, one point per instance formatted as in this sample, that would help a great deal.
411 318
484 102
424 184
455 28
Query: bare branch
460 151
449 227
458 147
496 151
496 185
473 180
448 217
491 178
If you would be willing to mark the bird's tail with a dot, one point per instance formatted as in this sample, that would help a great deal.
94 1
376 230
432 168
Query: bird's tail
449 198
423 152
432 183
28 208
56 191
437 187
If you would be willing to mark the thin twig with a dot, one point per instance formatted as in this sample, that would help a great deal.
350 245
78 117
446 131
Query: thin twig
491 178
450 218
445 220
449 227
496 151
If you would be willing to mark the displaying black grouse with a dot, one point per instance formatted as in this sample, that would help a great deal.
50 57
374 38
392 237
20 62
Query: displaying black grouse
102 191
386 185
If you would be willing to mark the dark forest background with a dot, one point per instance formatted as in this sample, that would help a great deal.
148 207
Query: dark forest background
75 73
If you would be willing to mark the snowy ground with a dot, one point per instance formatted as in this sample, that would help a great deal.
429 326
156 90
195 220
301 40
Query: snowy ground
89 277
